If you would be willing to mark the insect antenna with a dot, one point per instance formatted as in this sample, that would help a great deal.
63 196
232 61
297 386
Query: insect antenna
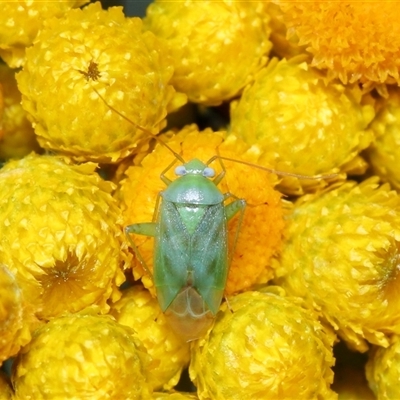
146 131
218 156
274 171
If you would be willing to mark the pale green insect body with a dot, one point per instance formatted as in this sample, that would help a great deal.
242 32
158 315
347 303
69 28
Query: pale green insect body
191 260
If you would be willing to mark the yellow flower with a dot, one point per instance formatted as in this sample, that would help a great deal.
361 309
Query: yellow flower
384 154
292 121
341 254
21 21
260 232
17 137
217 46
264 346
282 45
82 357
383 371
61 234
15 321
95 49
353 40
140 311
6 393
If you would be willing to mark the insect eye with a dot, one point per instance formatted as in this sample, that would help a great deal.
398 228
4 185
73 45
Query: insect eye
208 172
180 170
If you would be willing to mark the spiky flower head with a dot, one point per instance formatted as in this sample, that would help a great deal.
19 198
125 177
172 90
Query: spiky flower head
216 46
15 321
82 356
21 21
264 346
282 45
383 370
17 137
61 234
260 232
292 121
353 40
93 49
341 253
384 153
139 310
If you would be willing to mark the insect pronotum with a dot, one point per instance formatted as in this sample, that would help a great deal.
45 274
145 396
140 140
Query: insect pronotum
191 260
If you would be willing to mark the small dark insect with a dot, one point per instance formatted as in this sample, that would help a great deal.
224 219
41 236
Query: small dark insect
92 72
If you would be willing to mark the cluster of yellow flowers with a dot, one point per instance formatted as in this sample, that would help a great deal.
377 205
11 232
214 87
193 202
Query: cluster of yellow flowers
95 106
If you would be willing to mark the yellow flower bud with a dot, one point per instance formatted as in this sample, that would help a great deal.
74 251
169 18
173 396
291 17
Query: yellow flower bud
217 46
292 121
15 320
264 346
82 357
354 41
17 137
383 370
61 234
21 21
141 312
93 49
384 154
341 254
283 45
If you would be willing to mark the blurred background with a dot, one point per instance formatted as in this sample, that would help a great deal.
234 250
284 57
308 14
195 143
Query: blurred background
132 8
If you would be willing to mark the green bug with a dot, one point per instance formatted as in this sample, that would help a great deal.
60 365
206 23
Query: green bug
191 259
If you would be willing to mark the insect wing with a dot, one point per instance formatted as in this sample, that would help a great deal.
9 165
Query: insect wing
198 259
209 256
172 254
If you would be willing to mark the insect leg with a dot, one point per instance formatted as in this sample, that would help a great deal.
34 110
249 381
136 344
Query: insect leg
228 304
145 228
162 175
221 175
231 209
